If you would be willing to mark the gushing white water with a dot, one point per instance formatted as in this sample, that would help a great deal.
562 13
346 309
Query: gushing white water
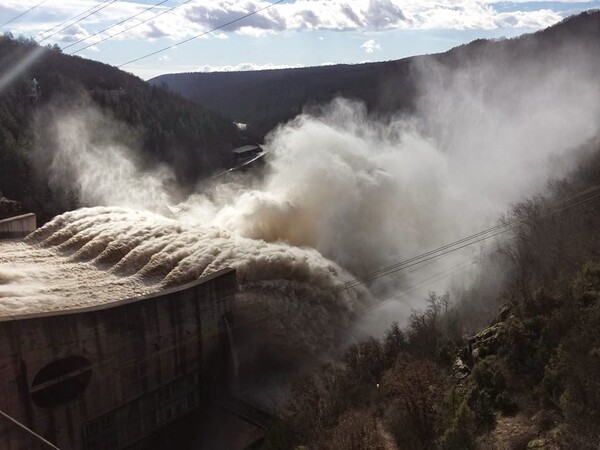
345 192
34 279
98 255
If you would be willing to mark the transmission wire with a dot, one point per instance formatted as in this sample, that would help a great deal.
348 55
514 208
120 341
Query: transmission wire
68 20
107 4
29 430
131 27
23 13
201 34
116 24
352 283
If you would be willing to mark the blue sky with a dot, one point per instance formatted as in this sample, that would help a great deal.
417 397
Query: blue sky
291 34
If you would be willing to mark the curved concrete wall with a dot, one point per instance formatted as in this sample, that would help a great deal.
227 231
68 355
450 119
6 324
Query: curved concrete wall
18 226
109 376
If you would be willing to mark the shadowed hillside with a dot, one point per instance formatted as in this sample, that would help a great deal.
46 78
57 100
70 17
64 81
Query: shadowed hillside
264 98
160 127
529 380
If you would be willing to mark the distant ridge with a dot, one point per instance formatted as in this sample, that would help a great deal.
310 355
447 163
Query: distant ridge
264 98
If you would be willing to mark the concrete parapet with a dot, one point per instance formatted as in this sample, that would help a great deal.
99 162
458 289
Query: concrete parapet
18 226
110 376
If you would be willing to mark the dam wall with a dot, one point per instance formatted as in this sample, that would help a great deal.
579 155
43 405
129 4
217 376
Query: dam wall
18 226
110 376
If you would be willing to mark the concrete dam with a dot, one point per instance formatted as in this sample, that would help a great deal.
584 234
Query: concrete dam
109 376
113 323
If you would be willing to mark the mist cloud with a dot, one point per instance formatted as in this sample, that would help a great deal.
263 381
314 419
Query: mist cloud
86 155
367 191
346 192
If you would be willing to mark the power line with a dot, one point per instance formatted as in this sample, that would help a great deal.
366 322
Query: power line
547 213
448 248
105 5
23 13
131 27
29 430
466 242
68 20
457 245
424 283
116 24
202 34
460 266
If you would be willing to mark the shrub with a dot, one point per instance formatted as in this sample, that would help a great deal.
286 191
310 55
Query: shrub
356 430
415 388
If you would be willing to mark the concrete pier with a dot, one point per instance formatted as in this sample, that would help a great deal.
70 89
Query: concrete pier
18 226
111 376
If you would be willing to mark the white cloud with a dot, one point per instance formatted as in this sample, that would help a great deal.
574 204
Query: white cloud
72 34
368 15
242 67
381 14
520 19
164 58
50 14
337 15
370 46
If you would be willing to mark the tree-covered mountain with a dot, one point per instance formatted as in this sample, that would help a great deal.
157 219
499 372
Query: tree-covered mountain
529 380
264 98
165 127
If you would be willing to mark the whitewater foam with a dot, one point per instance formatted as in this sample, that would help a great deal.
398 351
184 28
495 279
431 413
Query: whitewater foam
100 255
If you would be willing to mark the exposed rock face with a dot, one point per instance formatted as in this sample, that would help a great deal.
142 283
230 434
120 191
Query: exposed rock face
486 342
537 432
459 369
480 345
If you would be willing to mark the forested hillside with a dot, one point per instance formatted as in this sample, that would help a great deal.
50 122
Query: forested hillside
163 127
530 380
264 98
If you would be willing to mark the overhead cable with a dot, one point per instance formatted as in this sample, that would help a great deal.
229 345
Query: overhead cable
566 203
116 24
29 430
68 20
91 13
463 242
270 5
131 27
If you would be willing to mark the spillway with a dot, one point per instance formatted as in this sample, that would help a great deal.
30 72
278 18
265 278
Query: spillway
98 255
113 320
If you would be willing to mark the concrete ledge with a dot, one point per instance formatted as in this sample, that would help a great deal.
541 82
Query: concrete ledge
113 375
18 226
161 295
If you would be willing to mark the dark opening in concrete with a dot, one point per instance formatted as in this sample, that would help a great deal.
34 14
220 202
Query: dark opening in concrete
61 381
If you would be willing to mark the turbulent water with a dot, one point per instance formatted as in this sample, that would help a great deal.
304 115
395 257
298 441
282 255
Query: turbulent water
344 192
99 255
34 279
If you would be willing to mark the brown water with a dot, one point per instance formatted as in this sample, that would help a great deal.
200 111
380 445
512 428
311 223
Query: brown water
99 255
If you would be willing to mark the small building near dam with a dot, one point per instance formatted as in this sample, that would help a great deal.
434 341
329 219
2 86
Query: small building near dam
17 226
9 208
246 153
112 375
